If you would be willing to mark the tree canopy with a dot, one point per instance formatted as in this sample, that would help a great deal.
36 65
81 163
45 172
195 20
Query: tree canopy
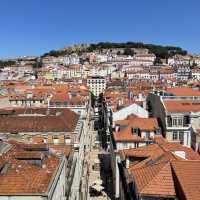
161 52
7 63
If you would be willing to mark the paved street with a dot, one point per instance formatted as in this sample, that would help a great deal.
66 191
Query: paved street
95 165
89 168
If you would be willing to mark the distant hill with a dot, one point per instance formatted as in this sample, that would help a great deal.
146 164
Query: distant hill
161 52
6 63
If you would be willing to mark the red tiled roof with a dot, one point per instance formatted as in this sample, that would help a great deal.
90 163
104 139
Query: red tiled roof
22 177
150 150
144 124
28 154
153 174
189 153
155 180
183 91
126 135
64 121
182 105
188 177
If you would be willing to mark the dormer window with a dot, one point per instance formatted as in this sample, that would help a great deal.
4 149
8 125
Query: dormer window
14 133
136 131
147 135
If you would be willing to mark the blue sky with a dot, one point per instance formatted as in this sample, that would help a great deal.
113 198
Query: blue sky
33 27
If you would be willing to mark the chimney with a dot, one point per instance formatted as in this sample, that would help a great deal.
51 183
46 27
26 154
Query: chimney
58 113
48 111
144 103
127 163
117 128
70 95
44 166
140 96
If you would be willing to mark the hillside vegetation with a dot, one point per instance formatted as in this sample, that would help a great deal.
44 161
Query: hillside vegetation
160 51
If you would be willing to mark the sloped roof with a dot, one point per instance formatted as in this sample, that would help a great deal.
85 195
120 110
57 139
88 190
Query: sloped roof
183 91
153 175
132 109
58 120
188 177
24 178
126 135
151 150
144 124
179 106
155 180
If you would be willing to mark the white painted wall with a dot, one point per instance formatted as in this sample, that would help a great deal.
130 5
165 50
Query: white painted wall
129 110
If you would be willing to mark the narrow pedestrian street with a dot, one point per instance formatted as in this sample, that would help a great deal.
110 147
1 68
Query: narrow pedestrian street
92 177
99 181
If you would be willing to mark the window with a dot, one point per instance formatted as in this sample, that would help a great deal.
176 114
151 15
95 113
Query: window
57 103
177 121
45 140
55 139
67 140
175 135
169 121
180 122
186 120
174 122
147 135
181 137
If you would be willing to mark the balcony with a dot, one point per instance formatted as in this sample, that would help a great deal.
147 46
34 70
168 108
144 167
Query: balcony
184 127
178 122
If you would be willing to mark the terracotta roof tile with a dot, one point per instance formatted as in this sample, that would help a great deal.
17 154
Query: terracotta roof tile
179 106
22 177
155 180
188 177
144 124
153 174
126 135
189 153
183 91
63 120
